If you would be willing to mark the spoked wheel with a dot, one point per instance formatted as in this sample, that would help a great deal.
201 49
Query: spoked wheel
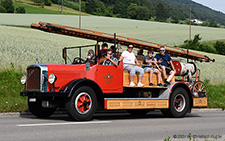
82 105
179 104
198 86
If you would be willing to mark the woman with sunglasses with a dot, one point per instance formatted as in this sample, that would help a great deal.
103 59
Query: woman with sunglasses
164 60
130 62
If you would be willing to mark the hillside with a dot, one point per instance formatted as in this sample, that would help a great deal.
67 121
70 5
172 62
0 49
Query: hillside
160 10
200 11
22 46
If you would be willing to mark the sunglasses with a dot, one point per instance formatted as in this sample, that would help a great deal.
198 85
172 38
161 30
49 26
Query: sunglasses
130 47
109 53
162 50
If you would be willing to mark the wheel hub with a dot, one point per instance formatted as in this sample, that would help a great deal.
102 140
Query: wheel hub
83 103
179 103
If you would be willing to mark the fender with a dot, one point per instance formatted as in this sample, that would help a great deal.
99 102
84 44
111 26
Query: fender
183 85
73 85
172 87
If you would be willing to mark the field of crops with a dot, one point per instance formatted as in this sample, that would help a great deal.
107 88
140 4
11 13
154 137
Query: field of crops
22 46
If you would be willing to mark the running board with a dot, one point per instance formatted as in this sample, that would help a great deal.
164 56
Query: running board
135 103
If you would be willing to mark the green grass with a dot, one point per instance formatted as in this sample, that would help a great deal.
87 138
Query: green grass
35 10
216 95
10 88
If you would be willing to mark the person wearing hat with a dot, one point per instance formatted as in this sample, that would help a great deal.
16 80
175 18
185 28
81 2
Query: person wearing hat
130 62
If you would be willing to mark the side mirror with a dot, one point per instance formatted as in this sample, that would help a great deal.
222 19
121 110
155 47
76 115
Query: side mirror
64 53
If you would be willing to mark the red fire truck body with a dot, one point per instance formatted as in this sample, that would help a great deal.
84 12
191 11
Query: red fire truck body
83 87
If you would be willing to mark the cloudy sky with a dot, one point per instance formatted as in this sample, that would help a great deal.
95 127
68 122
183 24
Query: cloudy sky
218 5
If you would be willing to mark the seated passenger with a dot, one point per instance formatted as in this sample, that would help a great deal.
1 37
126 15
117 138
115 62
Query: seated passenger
148 60
110 60
90 56
165 61
103 51
140 55
130 62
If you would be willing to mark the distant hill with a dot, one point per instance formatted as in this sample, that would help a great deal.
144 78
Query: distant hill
152 9
200 11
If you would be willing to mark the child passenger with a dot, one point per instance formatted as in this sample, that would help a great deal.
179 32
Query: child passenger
148 60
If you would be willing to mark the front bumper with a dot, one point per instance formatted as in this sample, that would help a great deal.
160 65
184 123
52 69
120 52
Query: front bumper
43 94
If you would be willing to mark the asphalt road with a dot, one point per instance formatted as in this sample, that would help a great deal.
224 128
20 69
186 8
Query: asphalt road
204 125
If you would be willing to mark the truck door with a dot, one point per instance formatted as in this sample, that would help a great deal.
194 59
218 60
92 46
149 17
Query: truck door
110 78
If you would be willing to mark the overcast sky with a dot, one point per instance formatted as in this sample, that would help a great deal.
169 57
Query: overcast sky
218 5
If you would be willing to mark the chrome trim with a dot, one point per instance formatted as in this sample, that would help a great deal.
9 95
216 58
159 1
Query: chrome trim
43 76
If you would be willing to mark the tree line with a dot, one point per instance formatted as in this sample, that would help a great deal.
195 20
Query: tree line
6 6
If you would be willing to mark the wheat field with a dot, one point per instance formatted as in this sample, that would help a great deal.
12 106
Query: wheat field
22 46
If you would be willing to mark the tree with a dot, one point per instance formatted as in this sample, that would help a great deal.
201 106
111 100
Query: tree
220 47
213 24
8 5
142 13
160 12
131 11
175 20
120 9
95 7
2 9
21 9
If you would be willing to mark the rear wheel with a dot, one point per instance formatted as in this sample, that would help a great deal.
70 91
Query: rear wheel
82 105
36 109
179 104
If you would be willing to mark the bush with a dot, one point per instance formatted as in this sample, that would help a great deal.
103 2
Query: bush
207 48
8 5
2 9
21 9
48 2
220 47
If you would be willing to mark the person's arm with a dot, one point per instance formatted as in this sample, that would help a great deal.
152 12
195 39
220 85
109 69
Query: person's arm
121 58
136 61
171 63
155 62
113 62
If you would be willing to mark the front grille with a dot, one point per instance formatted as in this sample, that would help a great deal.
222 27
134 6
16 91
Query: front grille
33 79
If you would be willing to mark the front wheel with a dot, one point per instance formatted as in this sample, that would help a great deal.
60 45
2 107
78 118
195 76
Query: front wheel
82 105
179 104
36 109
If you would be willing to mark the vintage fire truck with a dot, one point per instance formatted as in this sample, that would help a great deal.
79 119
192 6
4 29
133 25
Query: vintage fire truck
82 88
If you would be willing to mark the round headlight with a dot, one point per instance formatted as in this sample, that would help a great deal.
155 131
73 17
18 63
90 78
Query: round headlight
23 79
51 78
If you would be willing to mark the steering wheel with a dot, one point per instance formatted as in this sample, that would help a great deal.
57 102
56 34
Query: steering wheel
78 60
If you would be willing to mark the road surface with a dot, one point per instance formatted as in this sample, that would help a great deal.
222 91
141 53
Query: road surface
203 125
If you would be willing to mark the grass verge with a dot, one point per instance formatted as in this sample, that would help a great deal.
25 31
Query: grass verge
11 101
10 88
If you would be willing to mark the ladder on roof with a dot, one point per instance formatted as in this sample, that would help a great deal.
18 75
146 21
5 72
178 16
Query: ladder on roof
105 37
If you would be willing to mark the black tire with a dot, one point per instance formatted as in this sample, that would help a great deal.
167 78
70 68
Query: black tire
179 104
37 109
136 112
82 104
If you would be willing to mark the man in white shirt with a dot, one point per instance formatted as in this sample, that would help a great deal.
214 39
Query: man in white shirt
130 62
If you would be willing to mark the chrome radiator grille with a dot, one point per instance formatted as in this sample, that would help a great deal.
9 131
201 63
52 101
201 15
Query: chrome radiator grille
33 79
